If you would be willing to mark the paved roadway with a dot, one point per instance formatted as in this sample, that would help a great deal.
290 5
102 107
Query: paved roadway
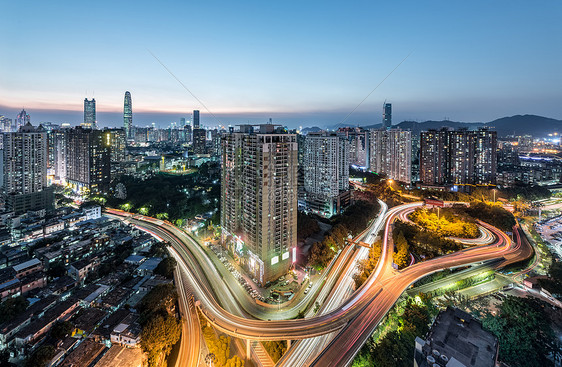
390 284
189 350
358 316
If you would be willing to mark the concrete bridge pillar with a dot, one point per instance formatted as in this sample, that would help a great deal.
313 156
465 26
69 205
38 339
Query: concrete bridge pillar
248 351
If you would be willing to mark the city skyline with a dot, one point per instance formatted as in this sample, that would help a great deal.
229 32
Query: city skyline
307 67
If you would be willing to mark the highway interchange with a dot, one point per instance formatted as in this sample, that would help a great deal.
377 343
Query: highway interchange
334 335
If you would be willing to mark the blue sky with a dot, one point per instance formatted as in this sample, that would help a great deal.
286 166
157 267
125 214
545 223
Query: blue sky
301 62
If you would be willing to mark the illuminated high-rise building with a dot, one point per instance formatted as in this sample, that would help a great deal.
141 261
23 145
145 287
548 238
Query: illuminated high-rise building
128 116
326 174
88 160
358 141
117 140
89 114
25 170
259 198
458 157
199 141
391 153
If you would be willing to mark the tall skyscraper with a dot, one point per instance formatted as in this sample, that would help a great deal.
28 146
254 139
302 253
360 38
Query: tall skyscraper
128 116
391 153
21 119
25 170
326 174
458 157
89 114
259 198
88 166
387 116
199 141
195 119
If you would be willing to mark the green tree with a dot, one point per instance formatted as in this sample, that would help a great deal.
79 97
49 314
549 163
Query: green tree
12 307
524 332
61 329
158 336
41 356
166 267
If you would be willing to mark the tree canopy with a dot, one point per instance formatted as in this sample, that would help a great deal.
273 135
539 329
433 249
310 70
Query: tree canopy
524 332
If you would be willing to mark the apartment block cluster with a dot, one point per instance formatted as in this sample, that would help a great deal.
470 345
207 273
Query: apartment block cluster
268 173
72 265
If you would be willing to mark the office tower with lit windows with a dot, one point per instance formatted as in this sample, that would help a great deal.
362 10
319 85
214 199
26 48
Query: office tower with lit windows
196 124
25 170
259 198
128 116
89 114
88 160
391 154
199 141
326 174
460 158
387 115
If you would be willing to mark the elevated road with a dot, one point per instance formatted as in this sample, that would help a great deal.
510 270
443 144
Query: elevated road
390 284
355 319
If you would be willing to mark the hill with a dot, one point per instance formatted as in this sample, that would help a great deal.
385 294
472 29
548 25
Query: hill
538 126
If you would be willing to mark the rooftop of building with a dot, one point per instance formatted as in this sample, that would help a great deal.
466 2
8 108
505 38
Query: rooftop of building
84 355
458 336
119 356
88 318
116 296
150 264
26 265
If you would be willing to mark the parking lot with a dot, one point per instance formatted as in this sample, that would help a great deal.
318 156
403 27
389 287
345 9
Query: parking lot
279 291
551 231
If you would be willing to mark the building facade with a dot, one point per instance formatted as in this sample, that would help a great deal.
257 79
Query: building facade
90 113
391 154
88 158
199 141
358 142
259 198
326 174
387 115
128 116
196 124
25 159
460 158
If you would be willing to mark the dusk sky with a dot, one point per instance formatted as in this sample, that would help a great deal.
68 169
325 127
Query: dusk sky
299 62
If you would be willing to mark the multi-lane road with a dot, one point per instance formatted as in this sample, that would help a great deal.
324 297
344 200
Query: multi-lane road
352 321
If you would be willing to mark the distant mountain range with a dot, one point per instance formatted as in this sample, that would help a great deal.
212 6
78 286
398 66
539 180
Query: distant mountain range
537 126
